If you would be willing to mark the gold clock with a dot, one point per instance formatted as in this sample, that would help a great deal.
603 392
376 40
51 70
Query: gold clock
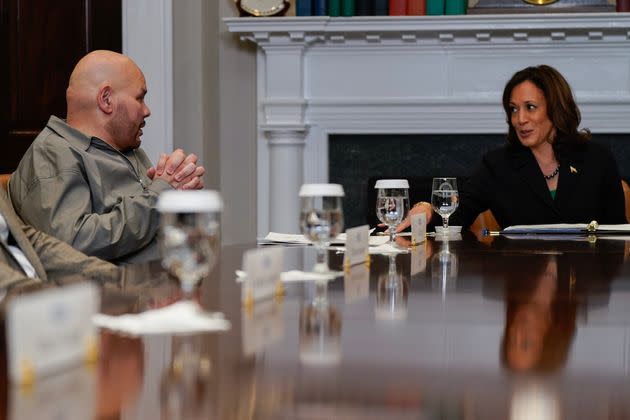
540 2
261 8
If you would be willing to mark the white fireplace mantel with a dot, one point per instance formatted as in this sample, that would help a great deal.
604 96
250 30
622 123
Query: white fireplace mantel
435 74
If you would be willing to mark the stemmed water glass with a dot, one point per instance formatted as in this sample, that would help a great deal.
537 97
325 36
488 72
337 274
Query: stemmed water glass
444 199
189 236
392 203
321 218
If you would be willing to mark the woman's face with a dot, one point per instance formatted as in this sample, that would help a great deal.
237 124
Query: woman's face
528 115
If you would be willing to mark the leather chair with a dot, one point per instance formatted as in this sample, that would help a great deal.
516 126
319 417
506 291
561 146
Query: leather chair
626 194
4 180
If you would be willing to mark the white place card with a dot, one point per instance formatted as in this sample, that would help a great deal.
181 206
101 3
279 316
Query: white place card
50 330
263 325
262 267
70 395
356 283
418 260
418 228
357 243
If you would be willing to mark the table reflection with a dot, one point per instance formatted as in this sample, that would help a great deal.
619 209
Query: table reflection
528 330
540 317
444 266
392 293
320 329
185 384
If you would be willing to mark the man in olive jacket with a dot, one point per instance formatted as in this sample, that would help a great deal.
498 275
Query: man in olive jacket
86 180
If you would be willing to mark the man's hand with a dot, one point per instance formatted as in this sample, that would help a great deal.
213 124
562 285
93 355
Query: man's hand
179 170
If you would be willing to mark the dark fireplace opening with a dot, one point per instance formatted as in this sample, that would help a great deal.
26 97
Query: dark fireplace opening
356 161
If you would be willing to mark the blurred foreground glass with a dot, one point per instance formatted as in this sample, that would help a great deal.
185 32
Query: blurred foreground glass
392 203
189 234
444 199
321 218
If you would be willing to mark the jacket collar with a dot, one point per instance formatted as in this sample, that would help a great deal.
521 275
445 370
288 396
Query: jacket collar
75 137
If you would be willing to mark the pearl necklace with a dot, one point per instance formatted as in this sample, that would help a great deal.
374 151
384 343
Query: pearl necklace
553 174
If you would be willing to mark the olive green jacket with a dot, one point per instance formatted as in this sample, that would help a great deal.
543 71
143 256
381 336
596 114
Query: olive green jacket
88 194
49 256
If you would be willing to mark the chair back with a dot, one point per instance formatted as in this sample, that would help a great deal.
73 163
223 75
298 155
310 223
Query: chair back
4 181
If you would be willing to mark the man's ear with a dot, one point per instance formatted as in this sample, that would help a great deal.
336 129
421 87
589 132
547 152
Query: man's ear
104 99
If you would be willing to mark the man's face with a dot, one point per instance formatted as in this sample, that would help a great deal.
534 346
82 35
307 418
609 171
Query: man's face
130 111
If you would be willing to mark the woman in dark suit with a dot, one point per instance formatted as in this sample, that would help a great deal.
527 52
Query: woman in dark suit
549 172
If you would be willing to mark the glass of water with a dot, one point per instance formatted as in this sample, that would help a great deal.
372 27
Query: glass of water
321 218
444 199
189 236
392 203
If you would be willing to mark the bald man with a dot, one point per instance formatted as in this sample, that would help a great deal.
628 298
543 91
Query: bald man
86 180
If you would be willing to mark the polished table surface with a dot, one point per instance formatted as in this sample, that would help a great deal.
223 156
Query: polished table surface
464 329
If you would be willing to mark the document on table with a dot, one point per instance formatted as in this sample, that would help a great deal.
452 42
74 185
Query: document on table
567 228
299 239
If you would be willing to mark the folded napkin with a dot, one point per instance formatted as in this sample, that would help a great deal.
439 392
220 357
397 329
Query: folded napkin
387 249
182 317
297 275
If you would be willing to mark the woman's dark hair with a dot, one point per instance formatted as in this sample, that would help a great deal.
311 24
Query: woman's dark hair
561 107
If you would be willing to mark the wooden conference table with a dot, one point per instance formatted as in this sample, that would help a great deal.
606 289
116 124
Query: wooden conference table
512 329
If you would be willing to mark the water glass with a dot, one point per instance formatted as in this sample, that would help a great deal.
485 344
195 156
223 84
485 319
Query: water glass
392 203
189 235
321 218
444 199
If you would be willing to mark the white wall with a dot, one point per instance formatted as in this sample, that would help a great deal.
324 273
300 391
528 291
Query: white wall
147 39
202 83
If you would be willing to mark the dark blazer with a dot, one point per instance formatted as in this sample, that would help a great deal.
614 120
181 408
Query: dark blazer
509 183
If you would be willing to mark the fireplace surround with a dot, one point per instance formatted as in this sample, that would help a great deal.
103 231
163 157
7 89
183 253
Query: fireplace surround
443 75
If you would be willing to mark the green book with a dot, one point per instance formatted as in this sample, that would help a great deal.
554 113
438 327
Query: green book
435 7
347 7
456 7
334 7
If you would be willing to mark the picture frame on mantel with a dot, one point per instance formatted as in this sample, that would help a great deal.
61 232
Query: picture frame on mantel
521 6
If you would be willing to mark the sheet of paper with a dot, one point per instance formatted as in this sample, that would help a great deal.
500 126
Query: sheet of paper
562 228
299 239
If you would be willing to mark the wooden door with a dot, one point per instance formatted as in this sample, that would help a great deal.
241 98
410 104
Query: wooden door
40 42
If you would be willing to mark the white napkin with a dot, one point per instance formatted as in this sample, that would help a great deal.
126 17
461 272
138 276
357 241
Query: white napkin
293 238
296 276
179 318
387 249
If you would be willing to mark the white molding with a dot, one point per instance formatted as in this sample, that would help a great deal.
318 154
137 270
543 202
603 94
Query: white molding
427 74
148 40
